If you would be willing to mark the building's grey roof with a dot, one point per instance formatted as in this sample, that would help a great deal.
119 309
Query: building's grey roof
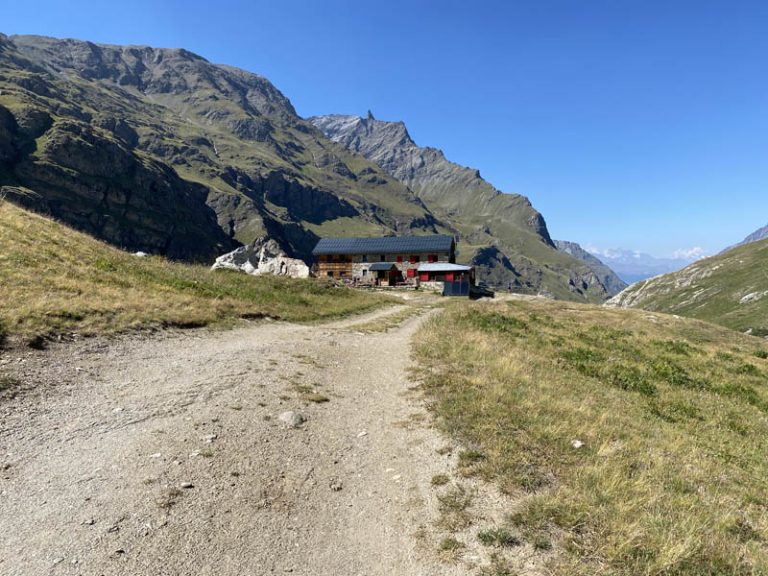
443 267
382 266
385 245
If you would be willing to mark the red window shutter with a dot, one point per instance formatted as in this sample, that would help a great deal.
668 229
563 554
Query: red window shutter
412 259
399 259
432 258
424 277
449 277
411 272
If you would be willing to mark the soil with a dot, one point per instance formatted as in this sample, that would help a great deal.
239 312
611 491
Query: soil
165 454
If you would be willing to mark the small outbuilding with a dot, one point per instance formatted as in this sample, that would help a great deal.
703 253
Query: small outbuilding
448 278
385 274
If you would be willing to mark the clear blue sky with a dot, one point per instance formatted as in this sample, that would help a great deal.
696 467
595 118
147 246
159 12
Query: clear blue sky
629 123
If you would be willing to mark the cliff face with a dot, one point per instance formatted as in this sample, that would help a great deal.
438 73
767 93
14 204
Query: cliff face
160 150
502 234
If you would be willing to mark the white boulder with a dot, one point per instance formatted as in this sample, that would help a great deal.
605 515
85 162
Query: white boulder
263 256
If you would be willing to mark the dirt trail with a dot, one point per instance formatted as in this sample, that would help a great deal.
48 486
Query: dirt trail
165 455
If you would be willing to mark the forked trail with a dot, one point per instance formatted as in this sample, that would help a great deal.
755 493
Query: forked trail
166 455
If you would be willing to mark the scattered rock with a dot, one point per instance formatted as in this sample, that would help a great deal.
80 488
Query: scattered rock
577 443
335 485
210 437
187 485
292 419
140 254
89 522
363 433
156 455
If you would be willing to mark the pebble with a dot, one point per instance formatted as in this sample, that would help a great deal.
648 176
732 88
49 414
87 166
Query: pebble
187 485
210 438
577 443
363 433
155 455
292 419
336 485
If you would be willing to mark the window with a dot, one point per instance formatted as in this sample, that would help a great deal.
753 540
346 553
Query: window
399 259
329 274
424 277
342 274
383 258
365 257
365 272
411 272
413 259
432 258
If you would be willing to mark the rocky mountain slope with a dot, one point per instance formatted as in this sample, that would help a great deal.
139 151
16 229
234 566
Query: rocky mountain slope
608 278
500 233
160 150
729 289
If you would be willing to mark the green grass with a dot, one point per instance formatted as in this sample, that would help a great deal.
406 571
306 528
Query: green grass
669 475
56 280
500 537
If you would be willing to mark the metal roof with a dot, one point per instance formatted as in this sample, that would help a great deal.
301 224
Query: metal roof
385 245
382 266
443 267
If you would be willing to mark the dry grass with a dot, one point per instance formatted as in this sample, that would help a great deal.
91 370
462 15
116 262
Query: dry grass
56 280
669 474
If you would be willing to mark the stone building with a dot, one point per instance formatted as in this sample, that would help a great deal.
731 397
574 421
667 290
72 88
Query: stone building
351 259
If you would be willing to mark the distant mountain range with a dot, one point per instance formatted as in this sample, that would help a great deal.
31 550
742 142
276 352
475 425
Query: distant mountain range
501 234
632 266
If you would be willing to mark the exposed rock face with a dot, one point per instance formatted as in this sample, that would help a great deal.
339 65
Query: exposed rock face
513 245
160 150
607 277
263 256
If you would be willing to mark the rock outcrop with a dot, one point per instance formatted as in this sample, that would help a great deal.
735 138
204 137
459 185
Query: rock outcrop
263 256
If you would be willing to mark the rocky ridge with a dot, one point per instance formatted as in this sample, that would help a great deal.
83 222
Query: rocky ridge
501 234
608 278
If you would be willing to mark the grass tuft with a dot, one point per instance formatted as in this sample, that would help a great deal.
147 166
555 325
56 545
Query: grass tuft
500 537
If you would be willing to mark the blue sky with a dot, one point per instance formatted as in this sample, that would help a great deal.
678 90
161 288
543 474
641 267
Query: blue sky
640 124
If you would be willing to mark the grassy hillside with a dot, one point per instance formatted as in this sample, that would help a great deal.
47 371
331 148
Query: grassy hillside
57 280
670 476
729 289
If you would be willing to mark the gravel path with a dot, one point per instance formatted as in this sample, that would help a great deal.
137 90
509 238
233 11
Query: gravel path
167 455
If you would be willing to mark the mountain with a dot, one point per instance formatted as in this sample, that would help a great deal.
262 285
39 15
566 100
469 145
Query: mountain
757 235
608 278
160 150
632 266
729 289
502 234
